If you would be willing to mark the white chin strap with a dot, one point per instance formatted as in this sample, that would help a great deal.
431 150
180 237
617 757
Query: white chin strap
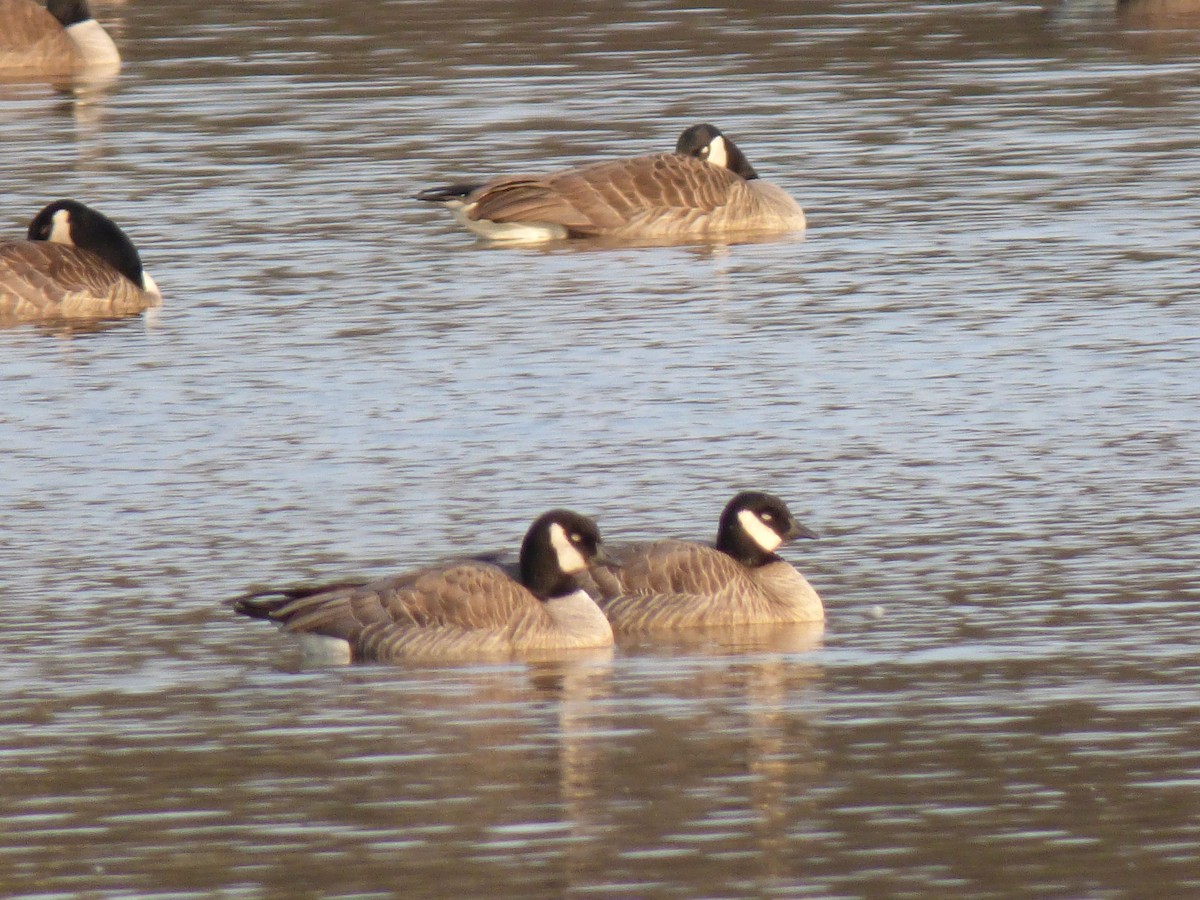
60 228
762 534
717 154
570 560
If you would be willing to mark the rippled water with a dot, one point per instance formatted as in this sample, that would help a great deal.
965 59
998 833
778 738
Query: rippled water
975 377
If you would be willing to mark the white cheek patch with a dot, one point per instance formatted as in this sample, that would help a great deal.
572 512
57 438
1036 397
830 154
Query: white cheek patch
717 154
60 228
570 560
761 533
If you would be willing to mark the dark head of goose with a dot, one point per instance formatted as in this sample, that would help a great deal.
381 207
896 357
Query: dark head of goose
559 545
753 526
70 222
707 143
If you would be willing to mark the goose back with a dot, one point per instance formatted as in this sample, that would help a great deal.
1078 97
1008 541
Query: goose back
58 40
39 279
31 38
457 610
665 585
468 608
656 196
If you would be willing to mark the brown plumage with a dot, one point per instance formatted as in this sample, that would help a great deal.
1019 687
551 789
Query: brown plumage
57 41
463 609
1159 12
670 584
31 38
43 280
77 264
704 189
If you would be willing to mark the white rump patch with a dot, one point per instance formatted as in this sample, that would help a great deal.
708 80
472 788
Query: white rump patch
509 232
761 533
570 560
322 650
95 47
718 155
60 228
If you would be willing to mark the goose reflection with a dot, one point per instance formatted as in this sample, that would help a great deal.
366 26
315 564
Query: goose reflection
706 752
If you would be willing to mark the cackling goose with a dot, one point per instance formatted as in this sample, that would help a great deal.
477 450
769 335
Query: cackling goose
465 609
705 189
741 581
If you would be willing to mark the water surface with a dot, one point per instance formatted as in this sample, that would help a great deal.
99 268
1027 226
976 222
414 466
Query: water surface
975 378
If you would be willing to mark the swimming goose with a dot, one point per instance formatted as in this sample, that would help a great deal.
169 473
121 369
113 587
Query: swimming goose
706 188
1158 12
76 263
57 39
741 581
464 609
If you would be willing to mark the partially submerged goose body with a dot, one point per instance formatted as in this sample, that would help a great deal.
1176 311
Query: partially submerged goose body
59 38
75 263
705 189
461 610
1159 12
671 584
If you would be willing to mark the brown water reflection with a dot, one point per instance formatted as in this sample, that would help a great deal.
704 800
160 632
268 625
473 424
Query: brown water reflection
975 377
469 783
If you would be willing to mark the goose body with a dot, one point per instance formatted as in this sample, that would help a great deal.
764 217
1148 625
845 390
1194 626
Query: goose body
465 609
56 39
671 584
75 263
705 189
1159 12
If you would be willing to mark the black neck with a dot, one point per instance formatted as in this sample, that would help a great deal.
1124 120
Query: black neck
540 572
733 541
104 238
736 161
69 12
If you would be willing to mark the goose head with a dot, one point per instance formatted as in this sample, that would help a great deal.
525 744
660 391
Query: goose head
559 546
71 222
707 143
754 525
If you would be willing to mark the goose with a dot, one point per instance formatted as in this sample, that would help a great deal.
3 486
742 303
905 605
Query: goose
671 584
463 609
57 39
1160 12
706 188
75 263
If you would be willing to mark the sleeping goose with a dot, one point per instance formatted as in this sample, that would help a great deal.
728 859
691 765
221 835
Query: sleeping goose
671 584
464 609
57 39
76 263
705 189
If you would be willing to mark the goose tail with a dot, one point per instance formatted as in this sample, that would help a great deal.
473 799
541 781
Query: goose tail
450 193
264 604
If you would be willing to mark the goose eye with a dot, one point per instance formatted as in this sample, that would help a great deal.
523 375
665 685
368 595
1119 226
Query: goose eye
767 517
576 537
